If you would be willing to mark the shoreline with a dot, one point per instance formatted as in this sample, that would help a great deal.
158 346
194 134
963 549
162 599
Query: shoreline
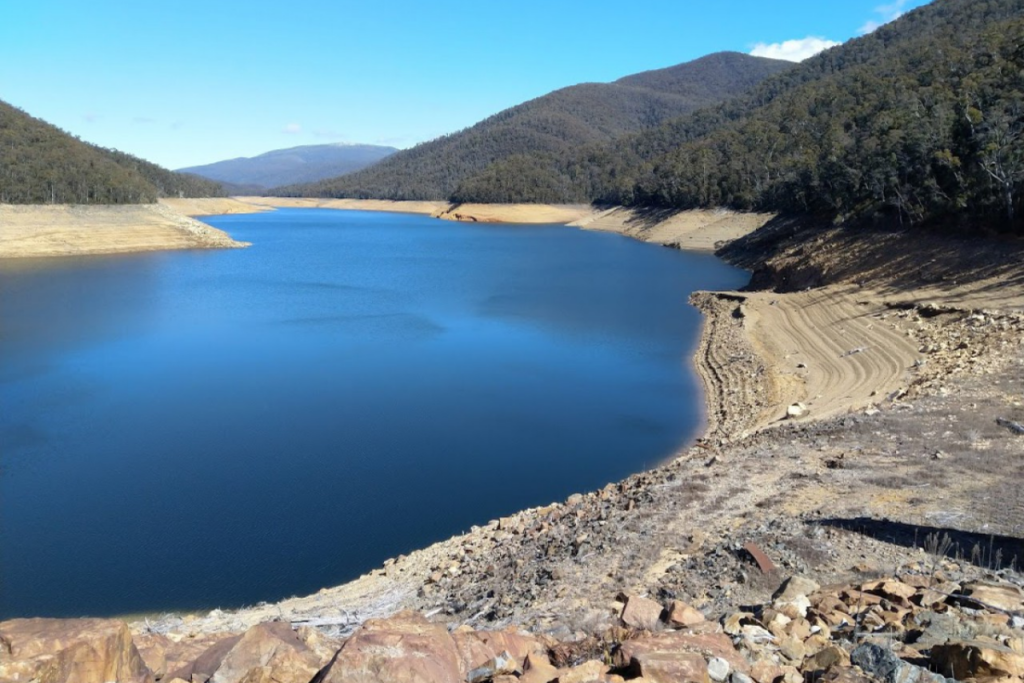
75 230
884 352
745 358
54 231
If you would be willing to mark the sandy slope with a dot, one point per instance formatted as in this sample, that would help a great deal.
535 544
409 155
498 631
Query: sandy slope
828 348
694 230
518 213
212 206
426 208
69 230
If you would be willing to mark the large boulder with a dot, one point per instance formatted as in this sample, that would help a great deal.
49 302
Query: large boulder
203 667
405 648
165 654
69 651
267 652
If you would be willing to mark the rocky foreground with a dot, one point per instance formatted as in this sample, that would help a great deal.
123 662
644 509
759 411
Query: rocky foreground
854 513
923 625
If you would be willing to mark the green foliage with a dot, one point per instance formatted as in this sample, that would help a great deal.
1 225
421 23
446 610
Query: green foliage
553 126
40 163
923 120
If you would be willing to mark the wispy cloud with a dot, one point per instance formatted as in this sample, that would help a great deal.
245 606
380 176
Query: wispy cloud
292 128
328 134
886 13
793 50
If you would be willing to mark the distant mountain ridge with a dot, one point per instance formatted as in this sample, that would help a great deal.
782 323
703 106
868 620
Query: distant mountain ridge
304 164
555 123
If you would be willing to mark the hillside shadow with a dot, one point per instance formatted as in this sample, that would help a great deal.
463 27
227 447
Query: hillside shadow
989 551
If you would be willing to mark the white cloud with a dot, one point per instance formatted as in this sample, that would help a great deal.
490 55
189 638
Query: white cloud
793 50
292 129
886 13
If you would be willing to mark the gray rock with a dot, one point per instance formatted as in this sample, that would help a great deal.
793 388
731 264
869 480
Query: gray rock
718 669
882 664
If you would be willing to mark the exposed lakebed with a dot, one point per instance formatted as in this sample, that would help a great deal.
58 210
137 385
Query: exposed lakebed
189 430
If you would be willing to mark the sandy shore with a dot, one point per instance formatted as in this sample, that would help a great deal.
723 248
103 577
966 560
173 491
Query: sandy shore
48 231
63 230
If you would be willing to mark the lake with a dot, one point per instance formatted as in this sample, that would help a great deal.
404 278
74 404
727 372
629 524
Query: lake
200 429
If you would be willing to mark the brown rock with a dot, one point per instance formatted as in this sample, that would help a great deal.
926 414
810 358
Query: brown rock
792 649
998 595
586 672
791 597
208 662
734 623
663 667
405 648
667 645
842 674
69 651
323 646
857 600
641 612
271 651
816 644
501 665
890 588
765 671
163 654
976 659
831 656
537 669
479 647
681 615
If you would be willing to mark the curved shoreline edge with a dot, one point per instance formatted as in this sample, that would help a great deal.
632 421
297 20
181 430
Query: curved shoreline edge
841 324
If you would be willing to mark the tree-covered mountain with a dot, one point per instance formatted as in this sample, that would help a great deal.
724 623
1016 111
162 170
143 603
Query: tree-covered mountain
922 120
39 163
304 164
555 124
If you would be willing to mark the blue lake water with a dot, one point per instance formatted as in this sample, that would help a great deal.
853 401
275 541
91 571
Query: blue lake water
189 430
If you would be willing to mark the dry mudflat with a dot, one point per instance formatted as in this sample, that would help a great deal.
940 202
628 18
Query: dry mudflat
63 230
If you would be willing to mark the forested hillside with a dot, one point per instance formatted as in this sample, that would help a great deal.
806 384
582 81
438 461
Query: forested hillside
555 124
308 163
921 120
39 163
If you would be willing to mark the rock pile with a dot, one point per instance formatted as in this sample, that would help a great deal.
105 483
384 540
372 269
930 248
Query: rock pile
914 628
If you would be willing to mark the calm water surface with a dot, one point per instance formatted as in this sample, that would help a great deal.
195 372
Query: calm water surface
216 428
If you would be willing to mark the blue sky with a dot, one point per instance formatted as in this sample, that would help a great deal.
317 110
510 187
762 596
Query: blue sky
189 82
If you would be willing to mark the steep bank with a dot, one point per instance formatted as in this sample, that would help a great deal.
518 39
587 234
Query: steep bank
72 230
